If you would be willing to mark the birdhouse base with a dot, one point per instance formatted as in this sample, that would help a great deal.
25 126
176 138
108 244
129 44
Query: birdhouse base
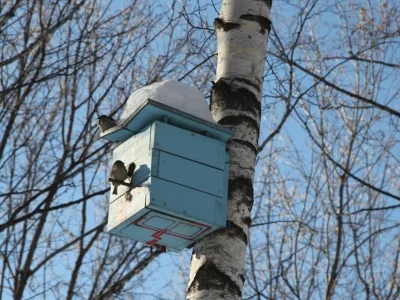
159 229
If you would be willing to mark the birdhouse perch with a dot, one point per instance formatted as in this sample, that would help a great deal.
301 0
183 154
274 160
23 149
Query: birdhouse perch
177 193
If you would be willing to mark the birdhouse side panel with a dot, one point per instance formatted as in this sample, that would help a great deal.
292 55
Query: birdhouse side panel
222 206
134 147
188 144
184 202
134 150
191 174
125 209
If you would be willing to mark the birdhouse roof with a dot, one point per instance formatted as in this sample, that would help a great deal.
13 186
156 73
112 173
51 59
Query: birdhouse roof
174 94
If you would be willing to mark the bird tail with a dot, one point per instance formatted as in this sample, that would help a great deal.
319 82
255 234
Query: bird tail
115 191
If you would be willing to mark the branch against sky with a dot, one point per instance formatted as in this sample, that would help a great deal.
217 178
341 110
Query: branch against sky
325 218
64 63
322 225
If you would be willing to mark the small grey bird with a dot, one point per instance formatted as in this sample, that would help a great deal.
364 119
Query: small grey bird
118 173
105 122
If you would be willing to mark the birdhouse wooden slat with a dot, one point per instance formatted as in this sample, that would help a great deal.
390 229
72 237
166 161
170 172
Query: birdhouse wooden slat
178 191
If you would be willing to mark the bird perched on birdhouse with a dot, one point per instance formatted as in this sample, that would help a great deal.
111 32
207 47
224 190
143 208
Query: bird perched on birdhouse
105 122
118 175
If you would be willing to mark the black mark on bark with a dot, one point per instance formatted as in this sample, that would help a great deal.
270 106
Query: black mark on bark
228 95
209 277
242 278
247 221
243 186
248 82
225 26
232 230
264 22
236 231
246 144
238 120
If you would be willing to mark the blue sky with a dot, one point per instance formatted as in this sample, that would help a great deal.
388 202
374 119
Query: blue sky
168 275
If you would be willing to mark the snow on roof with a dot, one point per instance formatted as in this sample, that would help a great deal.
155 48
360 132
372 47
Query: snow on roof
173 93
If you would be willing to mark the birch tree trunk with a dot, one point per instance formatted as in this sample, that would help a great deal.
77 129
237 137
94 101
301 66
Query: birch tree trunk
218 261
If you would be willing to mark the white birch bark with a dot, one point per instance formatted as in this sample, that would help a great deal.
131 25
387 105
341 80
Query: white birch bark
218 261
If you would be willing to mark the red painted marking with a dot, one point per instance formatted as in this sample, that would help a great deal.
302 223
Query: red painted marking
157 236
159 232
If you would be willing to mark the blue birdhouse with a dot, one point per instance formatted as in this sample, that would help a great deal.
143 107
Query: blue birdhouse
177 193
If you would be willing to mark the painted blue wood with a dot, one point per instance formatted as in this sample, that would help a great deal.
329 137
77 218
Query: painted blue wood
132 232
189 208
158 228
117 134
191 174
188 144
134 150
222 205
134 147
151 111
123 212
178 193
220 213
182 201
152 194
180 142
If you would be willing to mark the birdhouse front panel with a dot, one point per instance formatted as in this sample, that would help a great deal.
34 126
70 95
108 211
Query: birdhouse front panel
184 143
178 191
